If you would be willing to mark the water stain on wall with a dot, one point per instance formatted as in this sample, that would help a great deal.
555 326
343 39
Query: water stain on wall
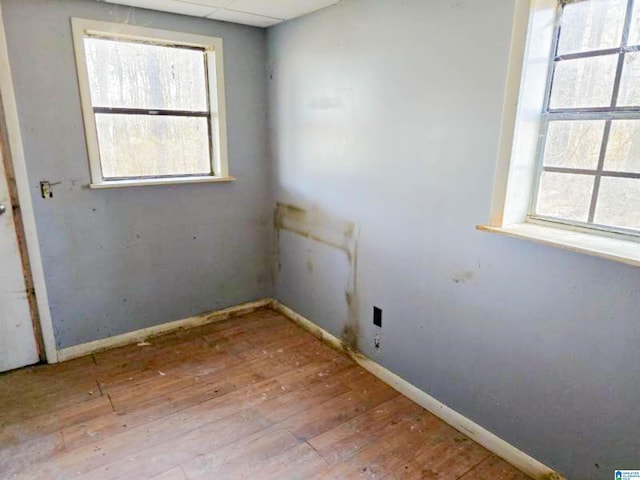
331 231
464 277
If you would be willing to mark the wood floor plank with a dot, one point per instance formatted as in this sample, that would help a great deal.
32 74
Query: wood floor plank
50 422
450 458
341 442
44 395
15 458
394 448
164 429
296 463
252 397
100 427
338 410
240 462
173 474
494 468
156 432
113 423
300 401
158 458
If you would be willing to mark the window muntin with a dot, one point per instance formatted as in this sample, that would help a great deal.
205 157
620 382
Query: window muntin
589 151
153 105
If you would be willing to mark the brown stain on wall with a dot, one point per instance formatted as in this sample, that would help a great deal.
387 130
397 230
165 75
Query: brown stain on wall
340 234
352 328
316 225
464 277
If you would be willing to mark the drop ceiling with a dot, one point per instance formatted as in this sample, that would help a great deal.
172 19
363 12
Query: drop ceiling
258 13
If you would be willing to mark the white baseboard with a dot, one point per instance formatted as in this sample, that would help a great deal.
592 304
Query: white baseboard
140 335
488 440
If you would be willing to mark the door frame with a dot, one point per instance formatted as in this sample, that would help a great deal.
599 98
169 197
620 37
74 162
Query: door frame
17 161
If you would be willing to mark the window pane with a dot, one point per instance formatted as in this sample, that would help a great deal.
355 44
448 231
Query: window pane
634 33
591 25
619 203
573 144
629 95
584 82
565 196
151 145
136 75
623 148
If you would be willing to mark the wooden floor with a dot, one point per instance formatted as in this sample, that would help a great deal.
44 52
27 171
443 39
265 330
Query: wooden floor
254 397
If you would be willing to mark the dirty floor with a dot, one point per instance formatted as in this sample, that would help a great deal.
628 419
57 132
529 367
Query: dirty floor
253 397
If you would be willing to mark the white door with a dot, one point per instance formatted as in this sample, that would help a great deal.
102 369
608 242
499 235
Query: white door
17 340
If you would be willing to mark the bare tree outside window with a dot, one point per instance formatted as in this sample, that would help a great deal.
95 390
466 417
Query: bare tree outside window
151 108
589 152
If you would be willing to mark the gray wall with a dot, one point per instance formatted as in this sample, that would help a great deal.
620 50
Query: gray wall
124 259
384 122
386 114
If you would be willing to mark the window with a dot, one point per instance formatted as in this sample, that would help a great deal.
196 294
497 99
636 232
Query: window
589 153
153 105
568 168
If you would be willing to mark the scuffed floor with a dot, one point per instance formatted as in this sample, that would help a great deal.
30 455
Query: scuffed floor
253 397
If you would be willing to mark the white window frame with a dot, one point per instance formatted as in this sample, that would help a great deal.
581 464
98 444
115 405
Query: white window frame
213 51
517 164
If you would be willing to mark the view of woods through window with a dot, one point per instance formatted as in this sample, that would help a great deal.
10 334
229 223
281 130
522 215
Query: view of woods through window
590 149
151 108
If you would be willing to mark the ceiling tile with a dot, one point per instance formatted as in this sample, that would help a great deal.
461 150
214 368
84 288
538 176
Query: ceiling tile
244 18
173 6
210 3
281 8
259 13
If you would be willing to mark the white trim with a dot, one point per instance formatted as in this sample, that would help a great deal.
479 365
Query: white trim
218 106
24 195
145 333
531 43
488 440
213 47
517 49
617 249
158 181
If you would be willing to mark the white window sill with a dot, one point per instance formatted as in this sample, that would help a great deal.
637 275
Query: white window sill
158 181
617 249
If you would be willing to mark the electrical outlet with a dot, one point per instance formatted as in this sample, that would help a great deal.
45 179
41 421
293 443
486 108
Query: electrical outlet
377 317
377 341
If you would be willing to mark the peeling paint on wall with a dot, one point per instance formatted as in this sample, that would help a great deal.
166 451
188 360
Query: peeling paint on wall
331 231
